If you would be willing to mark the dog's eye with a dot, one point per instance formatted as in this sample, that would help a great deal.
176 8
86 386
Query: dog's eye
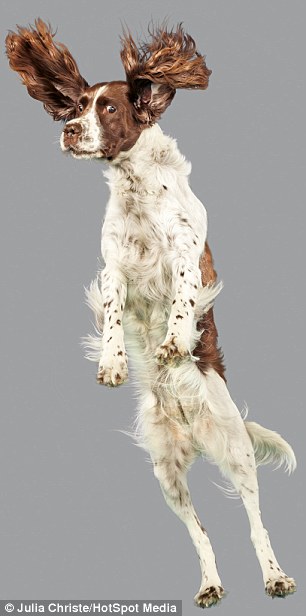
111 108
80 108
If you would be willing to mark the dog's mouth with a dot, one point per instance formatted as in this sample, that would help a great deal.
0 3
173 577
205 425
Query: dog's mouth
78 149
80 153
85 154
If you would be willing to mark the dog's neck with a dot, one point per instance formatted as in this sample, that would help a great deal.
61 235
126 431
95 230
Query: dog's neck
154 160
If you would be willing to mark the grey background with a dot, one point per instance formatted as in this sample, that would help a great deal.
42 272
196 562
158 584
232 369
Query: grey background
81 514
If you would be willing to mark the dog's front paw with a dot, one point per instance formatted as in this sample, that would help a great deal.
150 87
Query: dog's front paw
172 351
280 587
112 374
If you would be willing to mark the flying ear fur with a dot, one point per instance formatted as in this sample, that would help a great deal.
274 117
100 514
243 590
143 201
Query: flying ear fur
170 60
47 69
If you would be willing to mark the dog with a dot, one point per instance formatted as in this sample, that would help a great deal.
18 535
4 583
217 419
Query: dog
156 292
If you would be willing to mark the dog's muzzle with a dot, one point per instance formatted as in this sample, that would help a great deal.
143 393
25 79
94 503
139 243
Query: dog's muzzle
81 139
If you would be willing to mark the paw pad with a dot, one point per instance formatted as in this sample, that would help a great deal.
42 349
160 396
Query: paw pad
209 596
281 587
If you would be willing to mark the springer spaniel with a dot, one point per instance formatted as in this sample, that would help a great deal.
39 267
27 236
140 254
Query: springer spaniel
155 294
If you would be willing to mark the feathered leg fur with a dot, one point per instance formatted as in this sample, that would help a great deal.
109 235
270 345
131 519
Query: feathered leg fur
185 412
174 438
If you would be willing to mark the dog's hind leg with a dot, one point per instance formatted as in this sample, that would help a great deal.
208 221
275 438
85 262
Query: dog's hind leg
170 470
172 452
235 457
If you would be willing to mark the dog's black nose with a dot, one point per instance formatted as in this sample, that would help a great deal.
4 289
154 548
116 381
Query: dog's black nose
72 133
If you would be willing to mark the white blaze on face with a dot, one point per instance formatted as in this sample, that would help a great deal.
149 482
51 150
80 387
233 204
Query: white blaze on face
91 125
91 140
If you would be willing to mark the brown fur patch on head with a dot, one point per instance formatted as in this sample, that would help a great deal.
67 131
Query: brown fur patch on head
120 129
47 69
170 60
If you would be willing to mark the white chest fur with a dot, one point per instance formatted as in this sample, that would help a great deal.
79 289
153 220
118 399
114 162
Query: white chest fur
152 216
152 238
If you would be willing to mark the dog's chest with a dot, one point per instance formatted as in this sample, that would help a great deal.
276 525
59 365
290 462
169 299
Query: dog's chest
137 223
145 243
144 228
152 216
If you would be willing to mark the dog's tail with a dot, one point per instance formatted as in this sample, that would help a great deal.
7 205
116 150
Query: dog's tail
270 447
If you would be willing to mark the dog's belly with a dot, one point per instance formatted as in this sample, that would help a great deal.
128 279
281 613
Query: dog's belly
145 324
175 388
150 317
146 267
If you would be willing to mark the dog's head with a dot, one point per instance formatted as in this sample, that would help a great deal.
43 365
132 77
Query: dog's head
105 119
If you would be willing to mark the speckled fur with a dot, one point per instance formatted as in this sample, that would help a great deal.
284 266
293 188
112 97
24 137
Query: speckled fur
156 292
152 240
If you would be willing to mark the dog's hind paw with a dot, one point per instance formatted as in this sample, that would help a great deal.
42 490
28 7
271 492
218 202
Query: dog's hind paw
281 587
209 596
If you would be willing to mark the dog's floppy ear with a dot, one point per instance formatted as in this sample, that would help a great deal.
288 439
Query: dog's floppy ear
155 69
47 69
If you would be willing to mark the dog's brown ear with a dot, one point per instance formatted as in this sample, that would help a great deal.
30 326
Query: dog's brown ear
47 69
169 60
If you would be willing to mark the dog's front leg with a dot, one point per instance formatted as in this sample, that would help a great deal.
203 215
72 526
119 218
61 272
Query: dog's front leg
186 277
113 361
